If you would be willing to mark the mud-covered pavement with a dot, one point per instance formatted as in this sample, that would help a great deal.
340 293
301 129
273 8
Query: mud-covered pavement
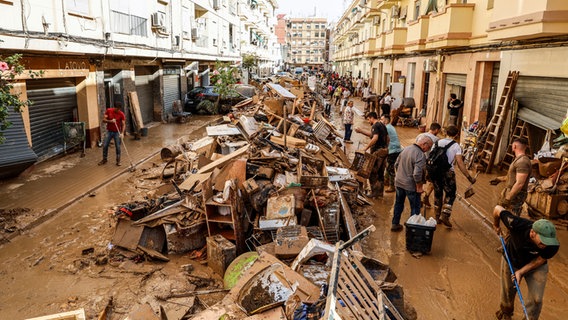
43 271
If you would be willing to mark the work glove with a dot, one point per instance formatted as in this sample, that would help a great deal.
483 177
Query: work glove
494 181
471 179
121 136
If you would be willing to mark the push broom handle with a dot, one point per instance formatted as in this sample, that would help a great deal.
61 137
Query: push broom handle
514 277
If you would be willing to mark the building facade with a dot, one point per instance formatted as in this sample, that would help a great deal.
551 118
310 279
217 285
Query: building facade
95 53
307 40
428 49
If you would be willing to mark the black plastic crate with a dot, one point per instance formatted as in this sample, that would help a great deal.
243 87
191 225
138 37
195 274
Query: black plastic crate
419 238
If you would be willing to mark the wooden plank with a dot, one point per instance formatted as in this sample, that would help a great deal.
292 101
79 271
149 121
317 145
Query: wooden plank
290 141
348 218
70 315
135 108
154 254
281 91
313 111
222 161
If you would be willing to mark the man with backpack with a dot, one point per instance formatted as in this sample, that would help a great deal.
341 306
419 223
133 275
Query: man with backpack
440 168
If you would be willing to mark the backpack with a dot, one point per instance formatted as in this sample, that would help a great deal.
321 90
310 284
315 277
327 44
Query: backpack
437 162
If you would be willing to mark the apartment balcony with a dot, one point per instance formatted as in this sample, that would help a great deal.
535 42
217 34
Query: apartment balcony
416 34
518 20
451 27
386 4
370 9
370 48
395 41
244 11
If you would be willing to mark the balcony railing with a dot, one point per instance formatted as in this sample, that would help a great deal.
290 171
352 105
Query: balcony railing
395 41
515 20
450 28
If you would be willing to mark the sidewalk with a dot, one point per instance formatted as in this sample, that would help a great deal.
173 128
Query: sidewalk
50 186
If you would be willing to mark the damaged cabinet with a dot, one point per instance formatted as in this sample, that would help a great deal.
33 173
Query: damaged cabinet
223 219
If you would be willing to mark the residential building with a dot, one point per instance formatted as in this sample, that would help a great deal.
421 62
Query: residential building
428 49
94 53
307 39
280 31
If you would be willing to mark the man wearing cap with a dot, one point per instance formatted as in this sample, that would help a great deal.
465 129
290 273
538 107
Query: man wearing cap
529 246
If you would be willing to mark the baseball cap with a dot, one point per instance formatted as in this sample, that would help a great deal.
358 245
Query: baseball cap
546 232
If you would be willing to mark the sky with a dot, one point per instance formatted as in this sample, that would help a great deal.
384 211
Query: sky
330 9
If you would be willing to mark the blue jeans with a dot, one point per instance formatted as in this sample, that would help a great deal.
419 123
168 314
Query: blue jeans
348 131
112 135
535 280
401 195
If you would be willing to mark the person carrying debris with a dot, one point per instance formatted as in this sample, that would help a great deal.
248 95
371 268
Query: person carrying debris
441 171
348 121
378 147
517 179
529 246
116 124
409 179
394 152
432 133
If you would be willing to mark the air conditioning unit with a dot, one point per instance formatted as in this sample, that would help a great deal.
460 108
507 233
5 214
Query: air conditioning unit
158 19
395 11
430 65
216 4
376 21
362 3
194 33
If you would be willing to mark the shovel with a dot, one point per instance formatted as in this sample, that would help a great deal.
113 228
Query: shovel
469 191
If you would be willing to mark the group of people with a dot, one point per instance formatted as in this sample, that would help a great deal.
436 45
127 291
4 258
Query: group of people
409 174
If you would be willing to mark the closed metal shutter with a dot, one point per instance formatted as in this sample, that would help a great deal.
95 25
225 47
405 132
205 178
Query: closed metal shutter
542 101
171 92
456 79
54 101
144 89
16 152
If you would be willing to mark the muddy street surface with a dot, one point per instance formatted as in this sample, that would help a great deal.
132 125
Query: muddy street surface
64 263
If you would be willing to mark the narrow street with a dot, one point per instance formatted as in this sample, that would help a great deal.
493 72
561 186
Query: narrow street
43 270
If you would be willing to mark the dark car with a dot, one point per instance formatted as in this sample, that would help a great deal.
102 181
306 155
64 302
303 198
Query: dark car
202 100
198 94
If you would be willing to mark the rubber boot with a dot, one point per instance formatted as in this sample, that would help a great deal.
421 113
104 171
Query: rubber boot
445 216
381 189
376 190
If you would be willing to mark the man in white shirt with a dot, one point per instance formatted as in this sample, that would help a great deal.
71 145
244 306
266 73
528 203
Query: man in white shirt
445 183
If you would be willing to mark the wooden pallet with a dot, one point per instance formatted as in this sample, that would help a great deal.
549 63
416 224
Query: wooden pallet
495 127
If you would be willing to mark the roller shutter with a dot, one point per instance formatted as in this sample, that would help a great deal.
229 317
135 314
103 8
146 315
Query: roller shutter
54 102
171 92
456 79
542 101
144 89
16 152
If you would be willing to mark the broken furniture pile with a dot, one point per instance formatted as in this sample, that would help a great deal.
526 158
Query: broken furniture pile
269 190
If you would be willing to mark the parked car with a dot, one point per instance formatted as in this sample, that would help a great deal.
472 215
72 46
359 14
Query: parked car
202 100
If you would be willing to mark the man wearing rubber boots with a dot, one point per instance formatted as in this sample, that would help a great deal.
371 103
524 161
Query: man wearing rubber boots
445 183
528 247
378 147
517 179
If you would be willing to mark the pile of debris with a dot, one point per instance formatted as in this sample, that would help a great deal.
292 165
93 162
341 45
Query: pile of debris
268 194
